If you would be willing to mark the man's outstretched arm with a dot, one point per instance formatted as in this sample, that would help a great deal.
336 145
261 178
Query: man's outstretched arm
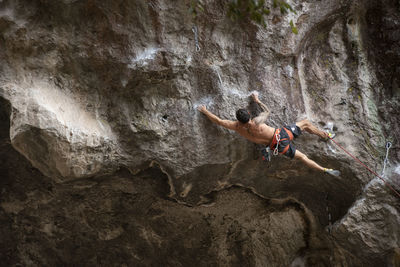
214 118
262 117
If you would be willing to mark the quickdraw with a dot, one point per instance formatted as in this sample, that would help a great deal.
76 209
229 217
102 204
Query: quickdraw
196 39
219 77
368 168
385 162
329 228
276 141
266 154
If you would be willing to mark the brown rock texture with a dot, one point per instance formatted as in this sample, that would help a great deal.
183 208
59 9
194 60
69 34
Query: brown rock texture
105 160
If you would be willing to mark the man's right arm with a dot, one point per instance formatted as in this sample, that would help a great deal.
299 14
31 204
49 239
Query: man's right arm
231 125
262 117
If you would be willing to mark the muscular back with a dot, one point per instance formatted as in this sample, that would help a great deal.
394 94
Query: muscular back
255 130
256 133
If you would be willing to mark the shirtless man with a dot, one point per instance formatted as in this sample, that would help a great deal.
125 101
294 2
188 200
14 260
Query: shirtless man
256 131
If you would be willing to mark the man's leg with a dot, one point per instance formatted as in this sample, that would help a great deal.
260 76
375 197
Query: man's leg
307 126
310 163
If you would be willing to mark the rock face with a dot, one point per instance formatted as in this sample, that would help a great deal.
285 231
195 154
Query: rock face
106 161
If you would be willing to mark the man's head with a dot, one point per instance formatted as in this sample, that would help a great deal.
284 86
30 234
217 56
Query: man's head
243 115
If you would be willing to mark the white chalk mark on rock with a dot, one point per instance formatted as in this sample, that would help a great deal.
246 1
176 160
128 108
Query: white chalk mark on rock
143 58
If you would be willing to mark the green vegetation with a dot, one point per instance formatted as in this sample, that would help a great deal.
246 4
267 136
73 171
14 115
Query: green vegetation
254 10
294 28
196 6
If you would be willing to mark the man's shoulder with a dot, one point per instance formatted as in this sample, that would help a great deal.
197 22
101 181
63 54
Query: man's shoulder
236 125
263 124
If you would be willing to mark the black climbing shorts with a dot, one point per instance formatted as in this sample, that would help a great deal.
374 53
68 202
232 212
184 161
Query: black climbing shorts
296 131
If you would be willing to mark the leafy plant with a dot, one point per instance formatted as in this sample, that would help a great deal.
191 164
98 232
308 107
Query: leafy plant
254 10
283 6
196 6
294 28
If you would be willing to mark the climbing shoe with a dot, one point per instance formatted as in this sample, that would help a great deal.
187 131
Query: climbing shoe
329 134
332 172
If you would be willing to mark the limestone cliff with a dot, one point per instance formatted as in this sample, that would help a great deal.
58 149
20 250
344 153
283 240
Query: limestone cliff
106 161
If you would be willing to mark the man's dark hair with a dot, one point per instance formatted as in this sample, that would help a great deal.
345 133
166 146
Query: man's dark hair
243 115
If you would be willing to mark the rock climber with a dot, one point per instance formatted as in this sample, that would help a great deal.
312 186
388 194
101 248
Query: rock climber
278 140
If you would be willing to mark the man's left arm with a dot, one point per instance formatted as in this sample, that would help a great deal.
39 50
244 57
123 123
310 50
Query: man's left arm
262 117
231 125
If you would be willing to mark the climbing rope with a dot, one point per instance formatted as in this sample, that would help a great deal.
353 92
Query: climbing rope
385 162
196 38
359 161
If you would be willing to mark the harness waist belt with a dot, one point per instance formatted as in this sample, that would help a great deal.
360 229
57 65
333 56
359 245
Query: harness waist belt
274 142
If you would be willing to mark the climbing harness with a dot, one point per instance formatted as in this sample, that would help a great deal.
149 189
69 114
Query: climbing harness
371 171
276 141
196 39
385 162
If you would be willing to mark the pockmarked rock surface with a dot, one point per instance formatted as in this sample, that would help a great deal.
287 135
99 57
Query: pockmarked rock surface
106 161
